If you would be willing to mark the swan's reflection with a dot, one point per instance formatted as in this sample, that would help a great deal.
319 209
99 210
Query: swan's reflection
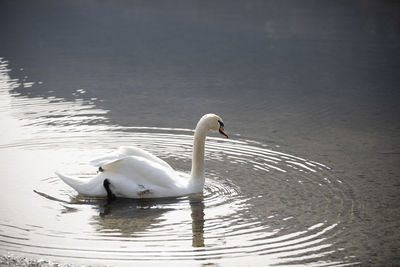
124 217
127 217
197 208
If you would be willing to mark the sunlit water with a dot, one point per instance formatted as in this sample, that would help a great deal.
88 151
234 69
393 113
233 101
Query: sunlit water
259 207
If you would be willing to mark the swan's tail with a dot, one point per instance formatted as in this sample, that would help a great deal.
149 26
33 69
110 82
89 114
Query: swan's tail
73 182
89 187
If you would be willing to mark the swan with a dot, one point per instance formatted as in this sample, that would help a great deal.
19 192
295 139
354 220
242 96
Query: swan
132 172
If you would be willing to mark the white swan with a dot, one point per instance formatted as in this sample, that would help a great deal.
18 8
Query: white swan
134 173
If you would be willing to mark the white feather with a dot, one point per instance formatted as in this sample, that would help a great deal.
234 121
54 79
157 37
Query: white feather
136 173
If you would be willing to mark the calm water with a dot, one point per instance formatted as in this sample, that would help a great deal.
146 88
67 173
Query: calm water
260 206
308 92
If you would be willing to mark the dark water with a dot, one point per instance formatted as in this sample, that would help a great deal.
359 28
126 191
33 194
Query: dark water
308 91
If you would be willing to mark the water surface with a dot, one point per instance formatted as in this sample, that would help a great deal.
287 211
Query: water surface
259 205
308 93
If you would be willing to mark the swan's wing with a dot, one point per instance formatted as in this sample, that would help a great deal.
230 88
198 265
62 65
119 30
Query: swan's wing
145 173
107 159
124 152
135 151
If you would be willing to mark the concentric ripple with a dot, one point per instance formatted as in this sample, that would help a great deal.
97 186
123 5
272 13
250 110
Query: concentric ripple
259 207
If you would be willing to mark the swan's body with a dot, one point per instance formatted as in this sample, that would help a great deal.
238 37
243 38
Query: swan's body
135 173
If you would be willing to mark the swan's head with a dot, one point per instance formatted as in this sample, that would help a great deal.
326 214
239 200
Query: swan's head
213 122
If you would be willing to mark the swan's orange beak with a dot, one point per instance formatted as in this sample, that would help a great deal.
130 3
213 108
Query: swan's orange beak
222 131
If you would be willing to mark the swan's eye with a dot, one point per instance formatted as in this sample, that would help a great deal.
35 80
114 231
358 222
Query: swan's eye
221 123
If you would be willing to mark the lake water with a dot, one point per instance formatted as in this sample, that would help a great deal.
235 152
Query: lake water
309 95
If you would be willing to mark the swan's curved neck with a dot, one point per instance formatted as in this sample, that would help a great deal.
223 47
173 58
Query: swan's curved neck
197 173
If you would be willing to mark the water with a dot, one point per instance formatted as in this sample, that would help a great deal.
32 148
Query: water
308 94
257 201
